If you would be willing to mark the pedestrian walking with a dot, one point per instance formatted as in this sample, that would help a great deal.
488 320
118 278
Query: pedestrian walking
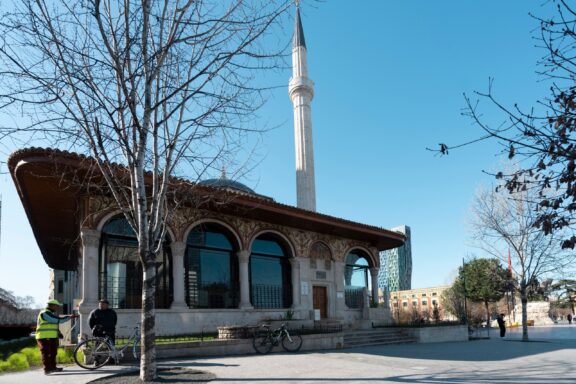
48 333
501 324
569 318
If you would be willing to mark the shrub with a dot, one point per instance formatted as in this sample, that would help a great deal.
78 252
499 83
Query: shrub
4 366
289 315
9 347
33 355
65 356
18 362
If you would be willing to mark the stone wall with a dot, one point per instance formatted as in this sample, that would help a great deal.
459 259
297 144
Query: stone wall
243 346
441 334
186 321
537 311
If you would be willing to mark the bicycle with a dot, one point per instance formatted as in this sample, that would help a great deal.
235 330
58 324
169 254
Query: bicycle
267 339
96 352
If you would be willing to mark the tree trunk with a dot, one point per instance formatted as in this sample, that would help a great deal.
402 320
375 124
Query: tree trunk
524 299
148 337
487 317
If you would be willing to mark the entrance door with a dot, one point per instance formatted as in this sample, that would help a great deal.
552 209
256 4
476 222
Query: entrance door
320 300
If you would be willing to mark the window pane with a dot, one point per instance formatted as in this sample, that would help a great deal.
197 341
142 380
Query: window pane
264 246
270 274
121 270
209 237
211 279
211 269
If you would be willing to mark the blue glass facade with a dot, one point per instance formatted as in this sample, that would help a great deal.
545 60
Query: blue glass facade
396 266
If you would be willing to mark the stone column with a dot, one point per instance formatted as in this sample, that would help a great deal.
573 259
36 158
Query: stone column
243 260
90 254
340 288
306 302
178 252
374 279
295 263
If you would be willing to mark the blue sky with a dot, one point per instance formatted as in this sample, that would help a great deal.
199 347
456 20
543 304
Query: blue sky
389 78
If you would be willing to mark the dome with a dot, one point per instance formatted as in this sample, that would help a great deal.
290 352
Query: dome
228 184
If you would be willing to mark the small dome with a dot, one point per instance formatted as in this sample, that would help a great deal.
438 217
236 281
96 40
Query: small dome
226 183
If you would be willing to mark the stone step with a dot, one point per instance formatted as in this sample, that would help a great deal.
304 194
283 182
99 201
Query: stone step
372 333
376 337
391 342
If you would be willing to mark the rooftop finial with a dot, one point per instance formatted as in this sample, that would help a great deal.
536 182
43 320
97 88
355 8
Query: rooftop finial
223 174
298 30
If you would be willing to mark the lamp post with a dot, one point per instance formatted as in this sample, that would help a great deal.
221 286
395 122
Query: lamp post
464 284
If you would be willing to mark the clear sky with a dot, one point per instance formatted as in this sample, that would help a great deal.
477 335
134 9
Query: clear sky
389 78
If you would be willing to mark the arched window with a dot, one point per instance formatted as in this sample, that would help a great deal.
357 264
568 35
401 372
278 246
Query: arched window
211 268
270 273
121 270
356 278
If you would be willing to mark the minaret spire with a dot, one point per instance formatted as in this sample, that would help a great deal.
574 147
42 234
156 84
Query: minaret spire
301 91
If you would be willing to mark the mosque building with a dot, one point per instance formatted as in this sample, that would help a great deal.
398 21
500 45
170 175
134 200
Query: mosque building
230 255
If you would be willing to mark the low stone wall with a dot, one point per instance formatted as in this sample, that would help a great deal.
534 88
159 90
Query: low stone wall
440 334
243 346
187 321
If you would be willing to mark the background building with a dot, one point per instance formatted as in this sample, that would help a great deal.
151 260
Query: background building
408 304
396 266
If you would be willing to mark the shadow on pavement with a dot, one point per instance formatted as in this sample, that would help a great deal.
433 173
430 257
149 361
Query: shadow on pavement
478 350
188 363
532 374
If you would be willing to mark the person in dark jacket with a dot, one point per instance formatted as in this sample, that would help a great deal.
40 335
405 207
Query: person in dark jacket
103 321
501 324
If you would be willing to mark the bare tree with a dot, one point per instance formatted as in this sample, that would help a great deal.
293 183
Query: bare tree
158 87
541 138
505 222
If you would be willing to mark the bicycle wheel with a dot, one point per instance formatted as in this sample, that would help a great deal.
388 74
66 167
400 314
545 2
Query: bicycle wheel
262 343
292 344
92 353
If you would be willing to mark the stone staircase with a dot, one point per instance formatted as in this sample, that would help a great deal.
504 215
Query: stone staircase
376 336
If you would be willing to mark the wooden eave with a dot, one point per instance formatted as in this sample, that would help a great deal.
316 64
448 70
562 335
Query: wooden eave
53 206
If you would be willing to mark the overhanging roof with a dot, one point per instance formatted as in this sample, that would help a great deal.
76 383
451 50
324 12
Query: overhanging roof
52 204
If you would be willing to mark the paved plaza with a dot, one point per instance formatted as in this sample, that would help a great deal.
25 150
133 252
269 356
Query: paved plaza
549 358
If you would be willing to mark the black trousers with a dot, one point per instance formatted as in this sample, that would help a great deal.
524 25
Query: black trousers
48 349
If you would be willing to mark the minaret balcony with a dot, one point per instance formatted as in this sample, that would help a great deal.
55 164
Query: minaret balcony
299 85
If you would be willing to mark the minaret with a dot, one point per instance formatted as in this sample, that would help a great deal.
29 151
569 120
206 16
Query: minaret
301 90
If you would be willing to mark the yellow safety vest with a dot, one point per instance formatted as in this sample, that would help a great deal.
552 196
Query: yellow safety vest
44 329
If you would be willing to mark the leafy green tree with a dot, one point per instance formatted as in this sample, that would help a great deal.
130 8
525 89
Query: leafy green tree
565 291
453 299
484 281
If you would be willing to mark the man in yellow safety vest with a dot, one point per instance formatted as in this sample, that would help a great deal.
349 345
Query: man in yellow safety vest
47 334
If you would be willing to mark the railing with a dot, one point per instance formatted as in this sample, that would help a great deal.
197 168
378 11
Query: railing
174 339
270 296
354 297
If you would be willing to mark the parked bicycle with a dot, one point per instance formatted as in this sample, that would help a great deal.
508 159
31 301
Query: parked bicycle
267 338
95 352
